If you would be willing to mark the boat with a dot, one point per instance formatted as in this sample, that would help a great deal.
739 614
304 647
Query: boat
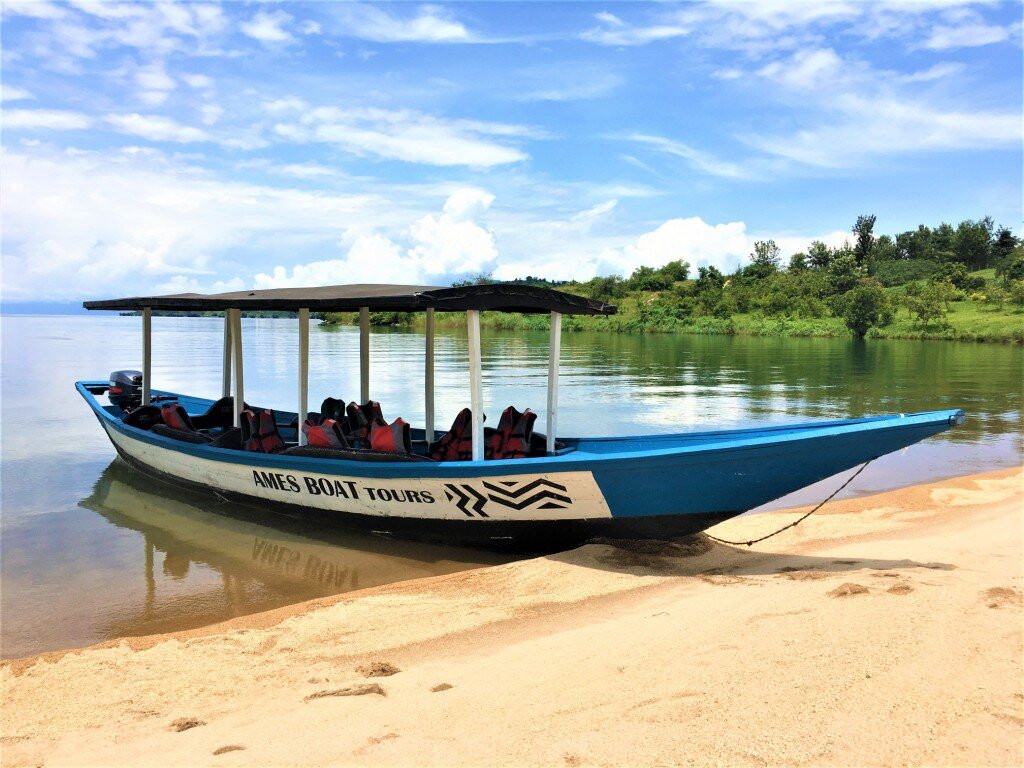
506 487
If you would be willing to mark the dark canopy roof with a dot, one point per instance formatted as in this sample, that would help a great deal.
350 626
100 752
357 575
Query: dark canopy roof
502 297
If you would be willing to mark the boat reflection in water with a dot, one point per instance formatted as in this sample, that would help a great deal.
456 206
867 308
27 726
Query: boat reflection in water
208 560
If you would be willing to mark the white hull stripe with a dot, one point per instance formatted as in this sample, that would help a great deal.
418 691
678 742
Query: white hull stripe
549 496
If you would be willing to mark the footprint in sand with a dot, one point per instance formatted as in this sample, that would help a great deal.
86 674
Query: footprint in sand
903 588
717 577
1002 597
228 748
378 669
796 574
441 687
848 590
184 723
353 690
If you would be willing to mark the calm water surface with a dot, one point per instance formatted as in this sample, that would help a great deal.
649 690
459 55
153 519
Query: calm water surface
90 551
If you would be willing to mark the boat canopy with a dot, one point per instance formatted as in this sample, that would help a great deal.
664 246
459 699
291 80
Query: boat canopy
500 297
365 298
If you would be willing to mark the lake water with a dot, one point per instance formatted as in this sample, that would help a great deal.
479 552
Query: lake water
91 551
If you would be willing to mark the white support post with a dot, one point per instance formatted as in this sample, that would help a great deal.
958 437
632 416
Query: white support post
236 350
554 352
428 378
225 379
147 355
364 354
303 371
476 394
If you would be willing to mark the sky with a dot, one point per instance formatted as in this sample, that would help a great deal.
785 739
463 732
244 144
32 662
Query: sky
169 147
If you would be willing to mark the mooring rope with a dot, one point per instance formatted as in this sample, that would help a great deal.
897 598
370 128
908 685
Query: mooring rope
798 521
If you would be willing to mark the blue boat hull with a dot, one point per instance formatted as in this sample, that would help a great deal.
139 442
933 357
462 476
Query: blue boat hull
631 487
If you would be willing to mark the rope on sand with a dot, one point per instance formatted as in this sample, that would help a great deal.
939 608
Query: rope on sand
798 521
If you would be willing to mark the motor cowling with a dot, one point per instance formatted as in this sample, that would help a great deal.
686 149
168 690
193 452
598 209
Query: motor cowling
125 389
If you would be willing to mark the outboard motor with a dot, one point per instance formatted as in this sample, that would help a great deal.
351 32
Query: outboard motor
125 389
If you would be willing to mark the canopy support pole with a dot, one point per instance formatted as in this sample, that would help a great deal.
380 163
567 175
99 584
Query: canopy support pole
225 379
476 395
236 350
428 378
364 354
554 353
303 371
147 355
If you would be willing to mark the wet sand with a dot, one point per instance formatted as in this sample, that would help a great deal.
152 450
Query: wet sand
883 630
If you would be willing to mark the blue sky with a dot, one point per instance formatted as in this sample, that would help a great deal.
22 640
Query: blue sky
194 146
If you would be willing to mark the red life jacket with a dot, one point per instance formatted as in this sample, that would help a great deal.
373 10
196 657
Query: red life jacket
457 443
323 434
390 438
176 417
259 432
511 440
360 417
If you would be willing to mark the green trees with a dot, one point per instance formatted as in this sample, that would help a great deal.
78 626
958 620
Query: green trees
819 255
928 302
766 257
863 229
972 243
843 273
865 306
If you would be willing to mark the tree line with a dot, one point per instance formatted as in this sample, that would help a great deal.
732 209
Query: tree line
865 281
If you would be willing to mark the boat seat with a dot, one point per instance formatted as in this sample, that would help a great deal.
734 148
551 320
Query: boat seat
229 438
259 432
143 417
220 415
184 435
350 454
333 408
511 440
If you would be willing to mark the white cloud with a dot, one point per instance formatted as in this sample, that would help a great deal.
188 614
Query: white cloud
614 31
936 72
154 83
154 29
805 70
692 240
430 24
202 82
37 9
155 128
211 113
10 93
702 161
53 119
569 83
268 27
402 135
884 126
966 36
131 221
452 242
370 259
310 27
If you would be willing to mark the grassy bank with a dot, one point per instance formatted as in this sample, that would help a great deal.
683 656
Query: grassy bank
966 320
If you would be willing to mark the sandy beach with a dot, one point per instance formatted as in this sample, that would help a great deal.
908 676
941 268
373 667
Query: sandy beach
885 630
